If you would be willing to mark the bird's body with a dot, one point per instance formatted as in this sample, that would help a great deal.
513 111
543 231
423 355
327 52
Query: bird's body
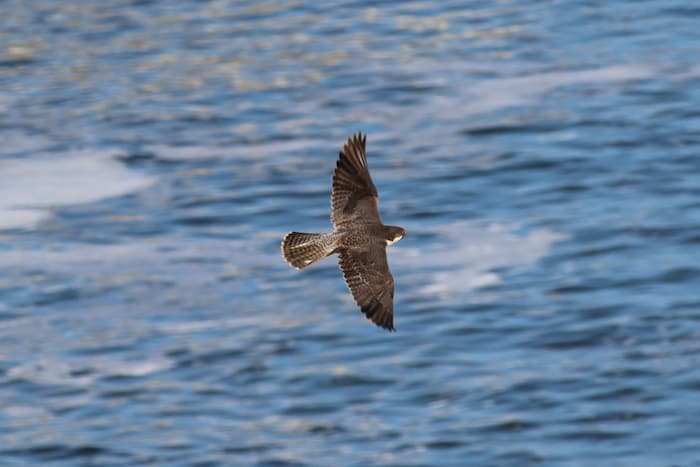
362 235
359 237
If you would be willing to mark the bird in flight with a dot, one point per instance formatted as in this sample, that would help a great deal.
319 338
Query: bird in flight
358 236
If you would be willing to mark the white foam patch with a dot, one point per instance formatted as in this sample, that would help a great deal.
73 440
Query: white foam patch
83 371
77 257
153 257
477 97
23 412
469 252
12 217
29 188
18 142
186 153
495 94
249 151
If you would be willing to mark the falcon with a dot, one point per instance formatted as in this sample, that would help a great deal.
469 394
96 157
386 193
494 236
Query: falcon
358 236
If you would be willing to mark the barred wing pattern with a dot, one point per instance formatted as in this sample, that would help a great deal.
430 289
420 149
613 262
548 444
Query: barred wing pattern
354 199
368 277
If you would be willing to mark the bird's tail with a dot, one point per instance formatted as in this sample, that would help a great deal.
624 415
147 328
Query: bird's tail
303 249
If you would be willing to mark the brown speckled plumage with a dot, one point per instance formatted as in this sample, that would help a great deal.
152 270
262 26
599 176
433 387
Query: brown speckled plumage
358 236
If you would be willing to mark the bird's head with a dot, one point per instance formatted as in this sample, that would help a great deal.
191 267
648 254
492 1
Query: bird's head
394 234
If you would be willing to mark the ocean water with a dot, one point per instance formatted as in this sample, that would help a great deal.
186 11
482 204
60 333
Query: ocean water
544 158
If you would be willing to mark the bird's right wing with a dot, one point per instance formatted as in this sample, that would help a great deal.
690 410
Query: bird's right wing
367 275
354 199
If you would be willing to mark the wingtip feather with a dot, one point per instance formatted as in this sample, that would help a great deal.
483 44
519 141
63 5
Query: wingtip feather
354 151
379 315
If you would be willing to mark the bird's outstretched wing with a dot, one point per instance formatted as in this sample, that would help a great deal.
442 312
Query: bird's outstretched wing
367 274
354 199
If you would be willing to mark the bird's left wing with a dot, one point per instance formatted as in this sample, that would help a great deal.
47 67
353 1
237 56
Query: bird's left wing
366 272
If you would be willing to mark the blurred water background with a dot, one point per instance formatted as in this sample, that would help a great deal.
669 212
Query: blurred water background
544 158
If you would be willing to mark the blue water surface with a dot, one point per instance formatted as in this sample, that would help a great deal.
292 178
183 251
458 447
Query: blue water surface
544 158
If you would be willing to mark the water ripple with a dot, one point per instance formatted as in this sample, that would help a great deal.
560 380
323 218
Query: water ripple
543 159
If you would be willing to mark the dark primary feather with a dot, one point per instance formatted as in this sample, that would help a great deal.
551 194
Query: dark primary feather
354 199
367 274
